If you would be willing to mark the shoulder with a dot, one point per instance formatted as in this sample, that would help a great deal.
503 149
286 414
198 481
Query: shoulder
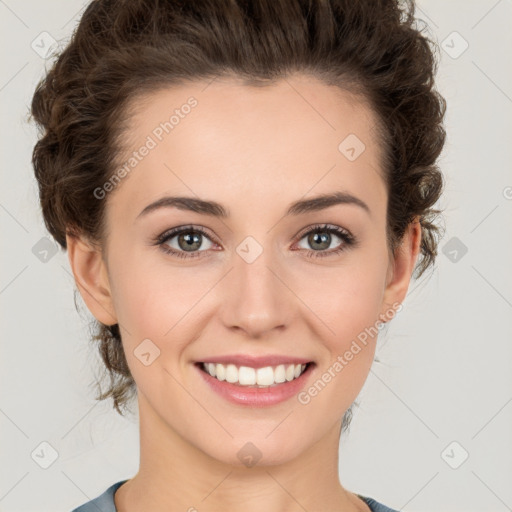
104 502
375 506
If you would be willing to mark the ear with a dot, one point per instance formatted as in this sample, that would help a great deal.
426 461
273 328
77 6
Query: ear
401 268
91 277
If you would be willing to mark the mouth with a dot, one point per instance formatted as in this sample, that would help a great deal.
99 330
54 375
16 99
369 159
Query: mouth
251 377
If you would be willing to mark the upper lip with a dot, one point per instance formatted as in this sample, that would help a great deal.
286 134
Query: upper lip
256 361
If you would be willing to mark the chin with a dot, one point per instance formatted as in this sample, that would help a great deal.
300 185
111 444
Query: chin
259 451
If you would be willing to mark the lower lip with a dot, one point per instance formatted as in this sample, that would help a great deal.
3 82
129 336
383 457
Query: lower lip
254 396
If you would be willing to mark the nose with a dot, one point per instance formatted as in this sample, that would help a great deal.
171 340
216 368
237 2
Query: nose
257 300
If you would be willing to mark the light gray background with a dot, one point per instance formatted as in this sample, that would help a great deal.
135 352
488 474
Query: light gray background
446 359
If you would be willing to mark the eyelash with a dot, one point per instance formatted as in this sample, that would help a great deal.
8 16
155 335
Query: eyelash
348 240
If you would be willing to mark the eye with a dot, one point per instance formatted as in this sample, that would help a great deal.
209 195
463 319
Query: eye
188 241
320 238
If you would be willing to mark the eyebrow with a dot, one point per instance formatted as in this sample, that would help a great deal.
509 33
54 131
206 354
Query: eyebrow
215 209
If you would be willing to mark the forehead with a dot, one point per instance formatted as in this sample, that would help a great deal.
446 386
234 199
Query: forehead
248 142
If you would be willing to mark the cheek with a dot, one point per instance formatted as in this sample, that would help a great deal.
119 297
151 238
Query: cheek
156 300
349 306
347 299
153 300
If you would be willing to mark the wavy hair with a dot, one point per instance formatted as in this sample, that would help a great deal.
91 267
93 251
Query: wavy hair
122 49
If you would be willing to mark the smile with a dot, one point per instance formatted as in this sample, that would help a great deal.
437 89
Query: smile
267 376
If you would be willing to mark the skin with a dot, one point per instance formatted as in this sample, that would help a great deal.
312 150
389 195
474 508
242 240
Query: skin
255 151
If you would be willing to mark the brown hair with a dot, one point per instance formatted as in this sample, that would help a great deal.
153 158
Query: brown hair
122 49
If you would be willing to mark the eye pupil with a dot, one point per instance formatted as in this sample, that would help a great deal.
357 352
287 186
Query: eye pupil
322 239
191 242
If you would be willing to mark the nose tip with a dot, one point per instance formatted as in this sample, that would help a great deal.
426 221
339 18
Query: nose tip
255 297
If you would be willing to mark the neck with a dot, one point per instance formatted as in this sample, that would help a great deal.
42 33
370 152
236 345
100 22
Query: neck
176 476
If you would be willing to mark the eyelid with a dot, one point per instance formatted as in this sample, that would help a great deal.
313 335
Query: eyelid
161 240
342 233
348 240
177 230
205 231
320 226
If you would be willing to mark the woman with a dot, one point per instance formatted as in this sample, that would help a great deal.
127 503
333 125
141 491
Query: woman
245 190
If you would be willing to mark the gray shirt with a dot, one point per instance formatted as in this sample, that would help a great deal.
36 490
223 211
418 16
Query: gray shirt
105 502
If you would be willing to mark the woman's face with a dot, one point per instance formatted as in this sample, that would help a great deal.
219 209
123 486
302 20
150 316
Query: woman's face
262 280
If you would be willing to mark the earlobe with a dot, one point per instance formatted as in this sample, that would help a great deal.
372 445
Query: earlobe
405 259
91 278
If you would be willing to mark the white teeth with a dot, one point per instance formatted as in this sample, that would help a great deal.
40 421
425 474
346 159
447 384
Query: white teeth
231 373
265 376
220 372
279 374
247 376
